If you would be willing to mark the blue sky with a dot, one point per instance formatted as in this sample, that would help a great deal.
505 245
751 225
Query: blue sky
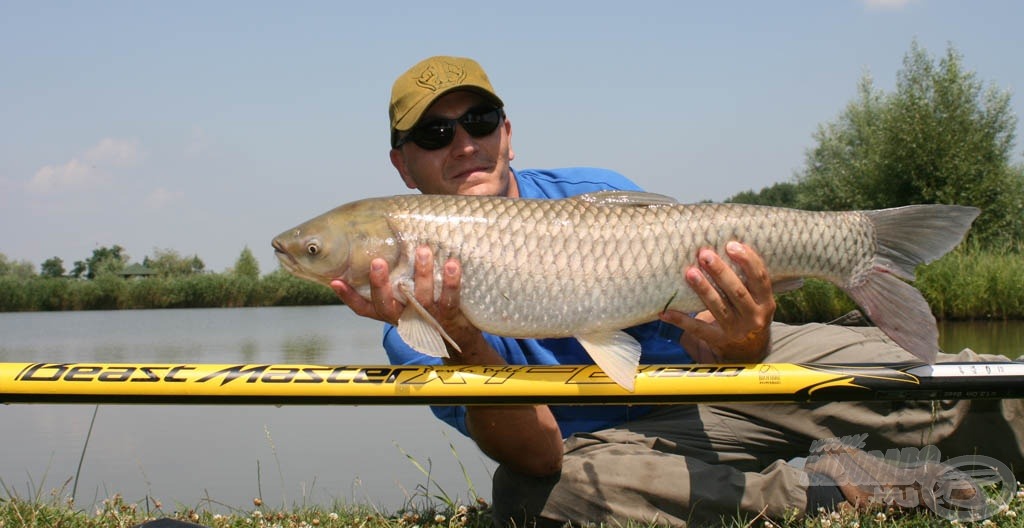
206 127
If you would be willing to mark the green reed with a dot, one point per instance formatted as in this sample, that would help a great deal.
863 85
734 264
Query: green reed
207 290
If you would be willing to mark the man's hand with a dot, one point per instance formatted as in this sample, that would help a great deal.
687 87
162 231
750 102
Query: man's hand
383 304
736 326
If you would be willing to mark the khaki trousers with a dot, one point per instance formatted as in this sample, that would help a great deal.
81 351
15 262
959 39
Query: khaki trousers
695 464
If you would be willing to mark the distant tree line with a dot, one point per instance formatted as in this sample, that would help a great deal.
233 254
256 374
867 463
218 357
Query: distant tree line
98 283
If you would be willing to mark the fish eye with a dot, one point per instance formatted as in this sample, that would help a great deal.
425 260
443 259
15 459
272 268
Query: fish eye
313 248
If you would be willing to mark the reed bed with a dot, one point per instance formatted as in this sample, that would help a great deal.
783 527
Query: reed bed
208 290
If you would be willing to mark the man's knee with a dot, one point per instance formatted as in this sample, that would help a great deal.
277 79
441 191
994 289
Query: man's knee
518 500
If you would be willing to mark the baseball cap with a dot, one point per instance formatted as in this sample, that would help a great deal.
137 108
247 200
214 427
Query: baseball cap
416 89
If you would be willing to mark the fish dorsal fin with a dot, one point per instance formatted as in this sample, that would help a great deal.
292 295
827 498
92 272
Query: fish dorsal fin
420 330
616 352
626 198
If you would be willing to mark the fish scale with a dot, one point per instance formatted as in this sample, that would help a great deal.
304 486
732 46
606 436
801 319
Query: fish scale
589 266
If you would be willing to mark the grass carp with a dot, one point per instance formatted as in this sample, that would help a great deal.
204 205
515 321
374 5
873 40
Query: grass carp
591 265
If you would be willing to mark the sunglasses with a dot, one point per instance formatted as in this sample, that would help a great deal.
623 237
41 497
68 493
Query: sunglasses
439 133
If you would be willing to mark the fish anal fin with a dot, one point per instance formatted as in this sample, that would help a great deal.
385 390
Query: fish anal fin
899 310
785 285
420 330
616 353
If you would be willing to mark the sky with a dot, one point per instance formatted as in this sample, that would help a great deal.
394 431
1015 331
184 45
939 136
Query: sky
209 127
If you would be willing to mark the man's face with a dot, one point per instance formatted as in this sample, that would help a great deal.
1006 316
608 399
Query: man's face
469 166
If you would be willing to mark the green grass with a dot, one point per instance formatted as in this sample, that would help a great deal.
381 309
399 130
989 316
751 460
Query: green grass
54 511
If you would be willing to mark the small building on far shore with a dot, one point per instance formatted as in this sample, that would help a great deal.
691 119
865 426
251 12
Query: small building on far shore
136 271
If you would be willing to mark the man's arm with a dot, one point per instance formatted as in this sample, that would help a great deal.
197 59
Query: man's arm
526 438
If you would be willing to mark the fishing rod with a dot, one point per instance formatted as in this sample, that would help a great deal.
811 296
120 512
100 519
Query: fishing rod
298 384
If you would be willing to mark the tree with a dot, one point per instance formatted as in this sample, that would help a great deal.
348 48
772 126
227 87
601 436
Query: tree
246 265
52 267
167 262
21 269
782 194
103 260
939 138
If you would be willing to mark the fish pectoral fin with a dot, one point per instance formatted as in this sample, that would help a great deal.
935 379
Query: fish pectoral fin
786 285
626 198
616 352
420 330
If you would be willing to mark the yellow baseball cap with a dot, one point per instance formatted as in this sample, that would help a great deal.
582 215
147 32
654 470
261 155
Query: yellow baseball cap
416 89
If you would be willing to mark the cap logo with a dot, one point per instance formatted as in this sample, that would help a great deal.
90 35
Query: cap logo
440 75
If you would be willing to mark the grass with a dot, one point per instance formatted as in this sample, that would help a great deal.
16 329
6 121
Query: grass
55 511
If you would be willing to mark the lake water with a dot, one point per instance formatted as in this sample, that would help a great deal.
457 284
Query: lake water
224 456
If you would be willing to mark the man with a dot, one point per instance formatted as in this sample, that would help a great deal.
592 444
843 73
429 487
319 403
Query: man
670 464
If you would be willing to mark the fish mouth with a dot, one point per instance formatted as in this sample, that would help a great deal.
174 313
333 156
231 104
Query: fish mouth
291 264
285 258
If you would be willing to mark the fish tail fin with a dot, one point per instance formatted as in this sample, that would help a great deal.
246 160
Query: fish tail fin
907 237
918 234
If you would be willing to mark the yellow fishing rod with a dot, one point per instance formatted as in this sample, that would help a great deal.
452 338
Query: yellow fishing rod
295 384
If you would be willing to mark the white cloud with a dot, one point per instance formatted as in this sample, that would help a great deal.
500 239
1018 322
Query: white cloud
160 198
70 176
889 5
91 169
116 153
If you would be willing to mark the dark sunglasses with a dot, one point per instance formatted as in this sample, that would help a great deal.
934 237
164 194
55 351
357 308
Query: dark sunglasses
439 133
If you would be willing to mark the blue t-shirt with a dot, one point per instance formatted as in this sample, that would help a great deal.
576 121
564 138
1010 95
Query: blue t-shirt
659 342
